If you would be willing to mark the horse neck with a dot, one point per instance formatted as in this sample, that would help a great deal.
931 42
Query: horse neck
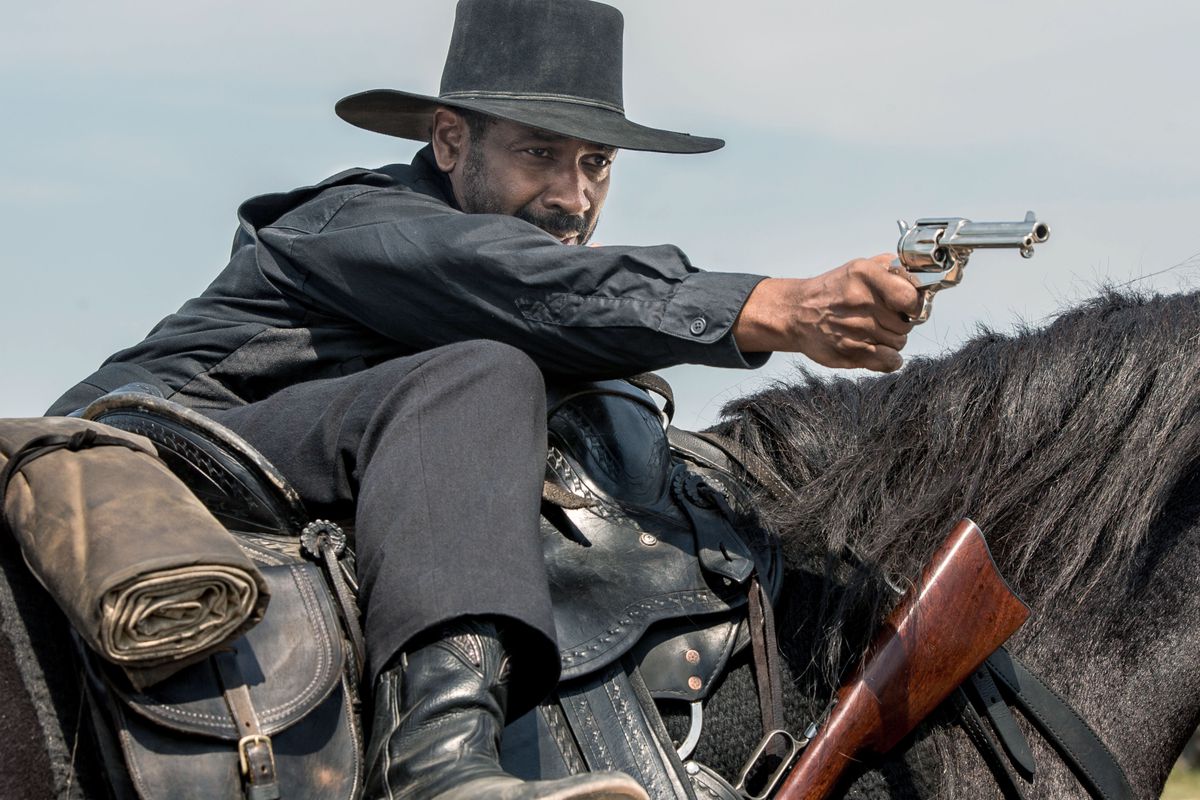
1073 447
1125 657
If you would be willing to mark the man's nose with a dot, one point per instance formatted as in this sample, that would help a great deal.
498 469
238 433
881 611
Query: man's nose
569 191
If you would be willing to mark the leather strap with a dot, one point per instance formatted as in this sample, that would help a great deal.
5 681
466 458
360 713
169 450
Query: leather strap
720 451
49 443
766 662
1003 722
1084 752
255 754
651 382
559 727
325 542
607 712
977 732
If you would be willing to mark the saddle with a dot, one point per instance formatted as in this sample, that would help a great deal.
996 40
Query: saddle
658 567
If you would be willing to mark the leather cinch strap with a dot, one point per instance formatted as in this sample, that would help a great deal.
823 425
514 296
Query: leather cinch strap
767 672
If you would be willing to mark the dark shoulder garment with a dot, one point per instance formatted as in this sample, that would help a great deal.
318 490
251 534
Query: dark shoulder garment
370 265
247 336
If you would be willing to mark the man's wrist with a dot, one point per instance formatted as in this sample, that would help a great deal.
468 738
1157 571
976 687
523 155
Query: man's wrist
761 326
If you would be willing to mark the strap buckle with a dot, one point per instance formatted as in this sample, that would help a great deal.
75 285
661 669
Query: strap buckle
794 746
249 751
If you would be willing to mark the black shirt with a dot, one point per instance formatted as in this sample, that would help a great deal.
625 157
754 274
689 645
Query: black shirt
370 265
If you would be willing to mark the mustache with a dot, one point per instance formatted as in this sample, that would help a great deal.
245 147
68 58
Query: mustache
556 223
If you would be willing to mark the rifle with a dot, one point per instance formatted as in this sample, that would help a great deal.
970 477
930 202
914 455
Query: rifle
959 612
934 251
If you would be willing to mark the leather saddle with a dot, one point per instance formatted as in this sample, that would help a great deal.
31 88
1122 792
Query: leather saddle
651 552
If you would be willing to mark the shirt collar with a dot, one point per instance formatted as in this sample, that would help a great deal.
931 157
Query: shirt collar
431 180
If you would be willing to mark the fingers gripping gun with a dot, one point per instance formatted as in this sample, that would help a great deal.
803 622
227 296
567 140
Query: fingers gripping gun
935 250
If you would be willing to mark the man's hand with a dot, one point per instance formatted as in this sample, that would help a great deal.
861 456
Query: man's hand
852 316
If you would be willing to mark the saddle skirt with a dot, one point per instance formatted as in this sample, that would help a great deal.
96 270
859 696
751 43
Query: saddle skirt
658 558
650 560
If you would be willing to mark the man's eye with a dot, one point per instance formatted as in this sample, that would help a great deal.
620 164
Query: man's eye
538 152
600 162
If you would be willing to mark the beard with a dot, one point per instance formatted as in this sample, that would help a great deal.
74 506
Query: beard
481 197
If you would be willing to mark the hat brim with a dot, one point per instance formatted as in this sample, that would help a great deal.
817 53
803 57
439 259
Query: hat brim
410 116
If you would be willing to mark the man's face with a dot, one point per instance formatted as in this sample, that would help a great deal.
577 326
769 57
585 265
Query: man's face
554 182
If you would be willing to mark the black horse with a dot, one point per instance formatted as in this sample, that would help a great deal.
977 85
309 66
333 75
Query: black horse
1076 448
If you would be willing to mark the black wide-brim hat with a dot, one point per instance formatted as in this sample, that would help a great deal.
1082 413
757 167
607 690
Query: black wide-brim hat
549 64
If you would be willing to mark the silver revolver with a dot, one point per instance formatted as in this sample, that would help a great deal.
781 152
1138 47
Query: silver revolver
934 251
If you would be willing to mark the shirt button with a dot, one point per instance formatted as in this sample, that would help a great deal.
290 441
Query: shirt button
698 326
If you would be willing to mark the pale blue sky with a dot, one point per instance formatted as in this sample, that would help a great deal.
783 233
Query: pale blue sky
132 130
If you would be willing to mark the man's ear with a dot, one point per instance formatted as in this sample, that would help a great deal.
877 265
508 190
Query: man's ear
449 138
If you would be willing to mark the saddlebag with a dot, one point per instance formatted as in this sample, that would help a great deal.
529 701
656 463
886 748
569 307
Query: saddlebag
275 708
276 712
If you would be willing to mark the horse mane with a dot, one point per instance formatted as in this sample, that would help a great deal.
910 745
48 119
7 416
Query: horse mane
1063 443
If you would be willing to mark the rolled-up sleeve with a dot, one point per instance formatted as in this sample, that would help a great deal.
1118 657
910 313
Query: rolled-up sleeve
423 274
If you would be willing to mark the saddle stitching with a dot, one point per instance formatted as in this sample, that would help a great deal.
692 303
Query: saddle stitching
127 742
564 739
642 609
635 744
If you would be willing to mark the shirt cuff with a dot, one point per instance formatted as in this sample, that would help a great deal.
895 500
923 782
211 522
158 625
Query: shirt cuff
700 315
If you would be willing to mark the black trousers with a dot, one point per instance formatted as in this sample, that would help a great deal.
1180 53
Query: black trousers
439 458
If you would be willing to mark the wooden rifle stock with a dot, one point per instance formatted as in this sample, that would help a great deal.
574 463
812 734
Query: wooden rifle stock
942 630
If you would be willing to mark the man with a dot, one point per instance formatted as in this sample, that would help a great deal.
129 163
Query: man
382 336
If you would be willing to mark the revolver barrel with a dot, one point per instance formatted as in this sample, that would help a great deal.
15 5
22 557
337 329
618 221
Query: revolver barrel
1023 235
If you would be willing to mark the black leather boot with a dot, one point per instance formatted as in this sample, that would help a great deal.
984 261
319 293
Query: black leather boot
437 724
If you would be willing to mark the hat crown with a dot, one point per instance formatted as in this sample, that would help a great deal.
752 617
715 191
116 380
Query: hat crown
565 50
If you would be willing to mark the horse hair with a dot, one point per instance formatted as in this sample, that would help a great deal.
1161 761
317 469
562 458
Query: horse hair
1046 438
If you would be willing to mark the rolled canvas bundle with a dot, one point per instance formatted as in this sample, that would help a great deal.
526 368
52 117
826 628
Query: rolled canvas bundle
146 575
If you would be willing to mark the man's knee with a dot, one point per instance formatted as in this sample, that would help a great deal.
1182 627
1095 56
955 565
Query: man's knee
495 371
